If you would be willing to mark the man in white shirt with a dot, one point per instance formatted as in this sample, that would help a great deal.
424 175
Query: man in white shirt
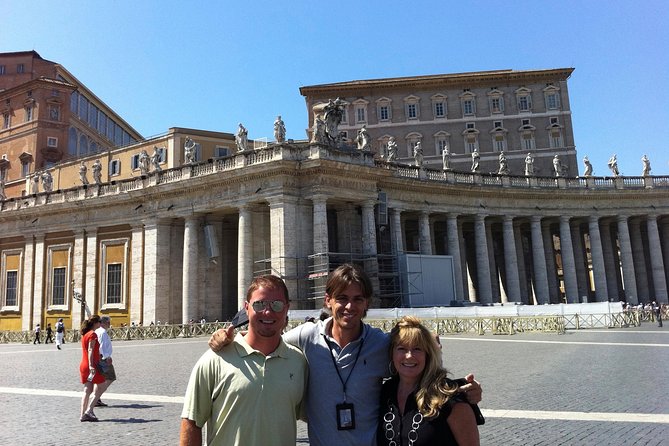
105 366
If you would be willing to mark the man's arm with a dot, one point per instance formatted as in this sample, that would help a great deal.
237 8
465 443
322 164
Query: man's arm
221 337
190 435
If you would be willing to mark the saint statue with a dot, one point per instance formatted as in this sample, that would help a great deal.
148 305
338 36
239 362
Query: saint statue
613 165
646 166
279 130
242 138
476 158
588 167
529 165
392 149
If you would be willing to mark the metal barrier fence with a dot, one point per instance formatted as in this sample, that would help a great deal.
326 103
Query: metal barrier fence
443 326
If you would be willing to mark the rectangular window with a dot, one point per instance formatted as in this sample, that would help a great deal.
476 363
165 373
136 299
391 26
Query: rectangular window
114 283
20 68
470 125
499 143
360 114
6 121
344 116
525 122
496 105
11 282
411 111
29 114
552 101
556 139
383 113
221 152
554 121
470 143
114 167
441 145
52 142
528 141
2 69
25 169
58 286
134 162
439 109
162 155
524 103
468 107
497 124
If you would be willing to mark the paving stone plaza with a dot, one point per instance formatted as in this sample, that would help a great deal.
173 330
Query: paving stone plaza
588 387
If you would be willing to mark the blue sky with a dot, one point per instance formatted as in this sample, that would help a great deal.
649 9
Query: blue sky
212 64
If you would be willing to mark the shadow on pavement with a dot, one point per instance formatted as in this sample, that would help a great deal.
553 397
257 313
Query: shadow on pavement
128 420
133 406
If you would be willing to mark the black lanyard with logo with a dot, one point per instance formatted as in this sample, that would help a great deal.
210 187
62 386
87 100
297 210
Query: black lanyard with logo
345 411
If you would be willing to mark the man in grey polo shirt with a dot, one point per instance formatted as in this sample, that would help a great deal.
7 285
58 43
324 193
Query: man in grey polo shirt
348 360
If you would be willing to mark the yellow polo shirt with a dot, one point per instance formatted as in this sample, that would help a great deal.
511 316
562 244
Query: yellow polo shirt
245 397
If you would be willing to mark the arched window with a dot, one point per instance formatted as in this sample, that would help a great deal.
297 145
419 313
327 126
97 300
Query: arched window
72 139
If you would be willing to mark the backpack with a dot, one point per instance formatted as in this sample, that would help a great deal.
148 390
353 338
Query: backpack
59 327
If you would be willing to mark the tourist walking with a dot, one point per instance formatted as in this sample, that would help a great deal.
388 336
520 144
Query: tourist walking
60 333
37 333
105 366
90 348
49 334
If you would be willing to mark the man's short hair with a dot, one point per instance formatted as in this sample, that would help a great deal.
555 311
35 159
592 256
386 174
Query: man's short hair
344 276
267 281
105 320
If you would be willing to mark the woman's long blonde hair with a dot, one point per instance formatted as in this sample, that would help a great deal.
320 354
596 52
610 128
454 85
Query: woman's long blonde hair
434 389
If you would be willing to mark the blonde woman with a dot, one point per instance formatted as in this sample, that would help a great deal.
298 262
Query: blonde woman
419 404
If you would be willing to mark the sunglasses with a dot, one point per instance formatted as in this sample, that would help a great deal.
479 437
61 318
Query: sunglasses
275 305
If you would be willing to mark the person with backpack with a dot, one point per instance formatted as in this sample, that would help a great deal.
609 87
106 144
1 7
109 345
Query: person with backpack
60 332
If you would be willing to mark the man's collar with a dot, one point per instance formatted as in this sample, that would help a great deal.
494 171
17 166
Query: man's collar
244 349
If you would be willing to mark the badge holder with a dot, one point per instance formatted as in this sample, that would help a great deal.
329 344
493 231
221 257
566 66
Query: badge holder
345 417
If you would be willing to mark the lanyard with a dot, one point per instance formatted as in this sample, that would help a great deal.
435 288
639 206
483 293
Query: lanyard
343 383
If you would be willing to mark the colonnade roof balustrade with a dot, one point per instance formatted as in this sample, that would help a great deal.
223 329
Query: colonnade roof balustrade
301 152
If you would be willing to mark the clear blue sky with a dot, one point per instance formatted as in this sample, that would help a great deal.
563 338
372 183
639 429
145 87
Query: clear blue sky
212 64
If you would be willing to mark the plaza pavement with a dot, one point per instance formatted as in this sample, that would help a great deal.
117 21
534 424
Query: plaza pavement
591 387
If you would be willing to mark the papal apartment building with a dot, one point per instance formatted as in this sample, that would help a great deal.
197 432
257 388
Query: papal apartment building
181 238
516 112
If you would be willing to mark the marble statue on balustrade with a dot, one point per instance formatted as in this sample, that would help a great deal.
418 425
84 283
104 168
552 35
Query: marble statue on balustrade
155 159
446 158
97 172
362 140
82 173
333 113
613 165
503 164
588 167
143 162
529 165
646 166
392 149
418 154
557 166
476 159
242 138
34 184
318 136
279 130
189 151
47 181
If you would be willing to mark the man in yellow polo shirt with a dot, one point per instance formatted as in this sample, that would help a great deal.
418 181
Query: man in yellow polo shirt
250 392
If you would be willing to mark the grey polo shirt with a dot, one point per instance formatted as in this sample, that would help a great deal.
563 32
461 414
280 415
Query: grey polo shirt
325 389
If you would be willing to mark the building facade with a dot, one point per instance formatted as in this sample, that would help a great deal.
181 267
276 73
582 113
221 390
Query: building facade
48 116
510 111
180 238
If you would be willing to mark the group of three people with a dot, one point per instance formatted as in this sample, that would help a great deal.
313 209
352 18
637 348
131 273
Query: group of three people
250 390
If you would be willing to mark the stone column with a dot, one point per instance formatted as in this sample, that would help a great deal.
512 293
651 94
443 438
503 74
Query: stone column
190 269
244 254
568 267
551 268
627 261
369 247
78 275
283 221
511 261
539 262
424 233
597 255
484 288
157 294
320 222
136 272
664 230
90 286
27 288
525 294
396 223
656 262
467 282
492 264
38 287
582 276
639 257
612 274
454 251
